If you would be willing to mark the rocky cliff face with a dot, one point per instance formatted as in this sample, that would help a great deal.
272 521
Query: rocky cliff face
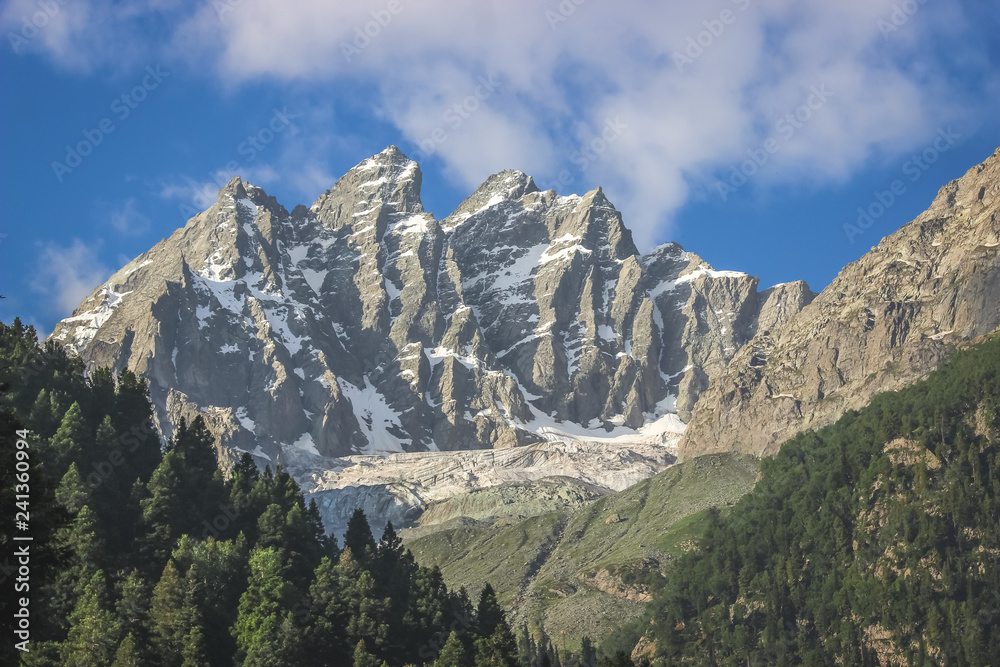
362 325
886 321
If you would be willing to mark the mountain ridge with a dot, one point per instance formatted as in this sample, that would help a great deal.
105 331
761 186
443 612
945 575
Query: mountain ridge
372 327
886 321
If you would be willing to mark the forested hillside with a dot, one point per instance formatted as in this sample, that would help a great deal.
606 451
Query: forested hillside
147 557
875 541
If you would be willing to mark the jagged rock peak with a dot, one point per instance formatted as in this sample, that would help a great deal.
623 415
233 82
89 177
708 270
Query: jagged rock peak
387 178
364 326
886 321
504 187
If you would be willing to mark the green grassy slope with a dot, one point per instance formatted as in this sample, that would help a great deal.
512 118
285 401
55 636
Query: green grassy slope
623 543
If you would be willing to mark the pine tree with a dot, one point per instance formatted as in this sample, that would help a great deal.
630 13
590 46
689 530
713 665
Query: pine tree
498 650
93 630
132 418
358 537
453 653
132 610
167 616
194 652
588 653
127 654
489 614
216 576
390 547
72 438
162 511
325 634
43 419
258 629
362 658
72 493
84 553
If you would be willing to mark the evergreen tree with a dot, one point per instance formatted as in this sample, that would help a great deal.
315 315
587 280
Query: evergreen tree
162 511
326 632
83 554
132 610
127 654
358 537
93 630
362 658
489 614
497 650
194 652
216 576
588 653
43 418
72 494
258 630
132 419
453 653
72 437
390 547
168 628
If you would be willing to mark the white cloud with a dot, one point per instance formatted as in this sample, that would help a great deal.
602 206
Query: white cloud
66 275
189 192
562 74
127 219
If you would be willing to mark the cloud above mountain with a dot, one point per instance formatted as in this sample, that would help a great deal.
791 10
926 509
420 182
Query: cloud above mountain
657 101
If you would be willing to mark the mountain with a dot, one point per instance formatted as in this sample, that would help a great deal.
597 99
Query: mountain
364 326
871 541
886 321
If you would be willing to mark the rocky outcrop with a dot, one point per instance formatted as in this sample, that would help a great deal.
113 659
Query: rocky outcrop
364 326
428 488
886 321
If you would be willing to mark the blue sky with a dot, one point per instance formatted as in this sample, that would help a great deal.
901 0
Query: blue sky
749 131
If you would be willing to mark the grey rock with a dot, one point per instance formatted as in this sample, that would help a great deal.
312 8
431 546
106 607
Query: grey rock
886 321
362 325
